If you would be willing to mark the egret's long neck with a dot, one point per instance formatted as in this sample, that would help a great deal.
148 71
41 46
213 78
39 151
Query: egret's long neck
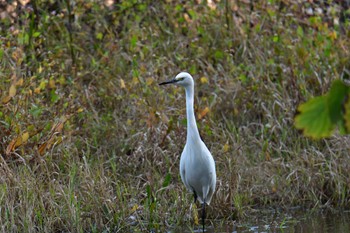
192 130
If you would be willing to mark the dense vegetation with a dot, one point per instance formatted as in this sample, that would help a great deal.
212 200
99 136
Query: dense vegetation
90 142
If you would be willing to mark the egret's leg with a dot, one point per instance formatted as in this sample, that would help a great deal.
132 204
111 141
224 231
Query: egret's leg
195 196
203 214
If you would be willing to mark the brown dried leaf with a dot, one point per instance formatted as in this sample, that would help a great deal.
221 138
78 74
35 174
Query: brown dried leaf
203 113
42 148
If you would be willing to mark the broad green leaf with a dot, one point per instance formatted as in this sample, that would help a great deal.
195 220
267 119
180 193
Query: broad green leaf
347 115
314 119
335 100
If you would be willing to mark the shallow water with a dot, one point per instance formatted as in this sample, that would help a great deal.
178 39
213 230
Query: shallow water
295 222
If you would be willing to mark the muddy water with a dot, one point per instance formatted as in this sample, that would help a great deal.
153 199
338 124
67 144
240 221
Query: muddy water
295 222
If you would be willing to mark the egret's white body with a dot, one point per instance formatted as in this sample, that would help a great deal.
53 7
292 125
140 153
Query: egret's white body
197 166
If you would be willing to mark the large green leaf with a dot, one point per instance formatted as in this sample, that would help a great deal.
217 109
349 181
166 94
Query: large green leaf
347 116
335 100
319 116
314 119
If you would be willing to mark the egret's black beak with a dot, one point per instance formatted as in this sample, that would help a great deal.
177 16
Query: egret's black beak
169 82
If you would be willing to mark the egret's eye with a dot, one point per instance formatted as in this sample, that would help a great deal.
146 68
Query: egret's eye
181 78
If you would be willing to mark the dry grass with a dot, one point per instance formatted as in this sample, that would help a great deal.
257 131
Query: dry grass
104 141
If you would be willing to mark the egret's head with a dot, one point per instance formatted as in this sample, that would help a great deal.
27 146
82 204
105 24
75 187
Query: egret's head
182 79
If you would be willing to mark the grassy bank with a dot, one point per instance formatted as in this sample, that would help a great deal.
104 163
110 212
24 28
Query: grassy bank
90 142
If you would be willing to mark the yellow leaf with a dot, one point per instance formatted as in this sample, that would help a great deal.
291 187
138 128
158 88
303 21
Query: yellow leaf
129 122
19 82
42 85
80 110
195 215
274 189
25 137
40 69
134 208
122 84
333 35
37 90
52 84
226 147
203 80
12 91
203 113
21 140
6 99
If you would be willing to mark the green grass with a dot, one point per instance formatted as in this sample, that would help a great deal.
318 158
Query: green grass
90 142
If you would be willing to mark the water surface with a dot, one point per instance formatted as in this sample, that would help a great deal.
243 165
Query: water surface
292 222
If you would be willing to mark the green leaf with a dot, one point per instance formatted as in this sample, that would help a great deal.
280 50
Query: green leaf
335 100
319 116
99 36
36 34
347 115
314 119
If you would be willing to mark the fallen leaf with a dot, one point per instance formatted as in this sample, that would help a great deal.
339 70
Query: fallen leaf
226 147
25 137
80 110
203 80
6 99
187 18
203 113
52 84
37 90
134 208
10 147
16 142
20 82
122 84
42 148
195 215
12 91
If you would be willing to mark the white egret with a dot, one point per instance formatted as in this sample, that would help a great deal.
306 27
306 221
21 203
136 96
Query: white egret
197 166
